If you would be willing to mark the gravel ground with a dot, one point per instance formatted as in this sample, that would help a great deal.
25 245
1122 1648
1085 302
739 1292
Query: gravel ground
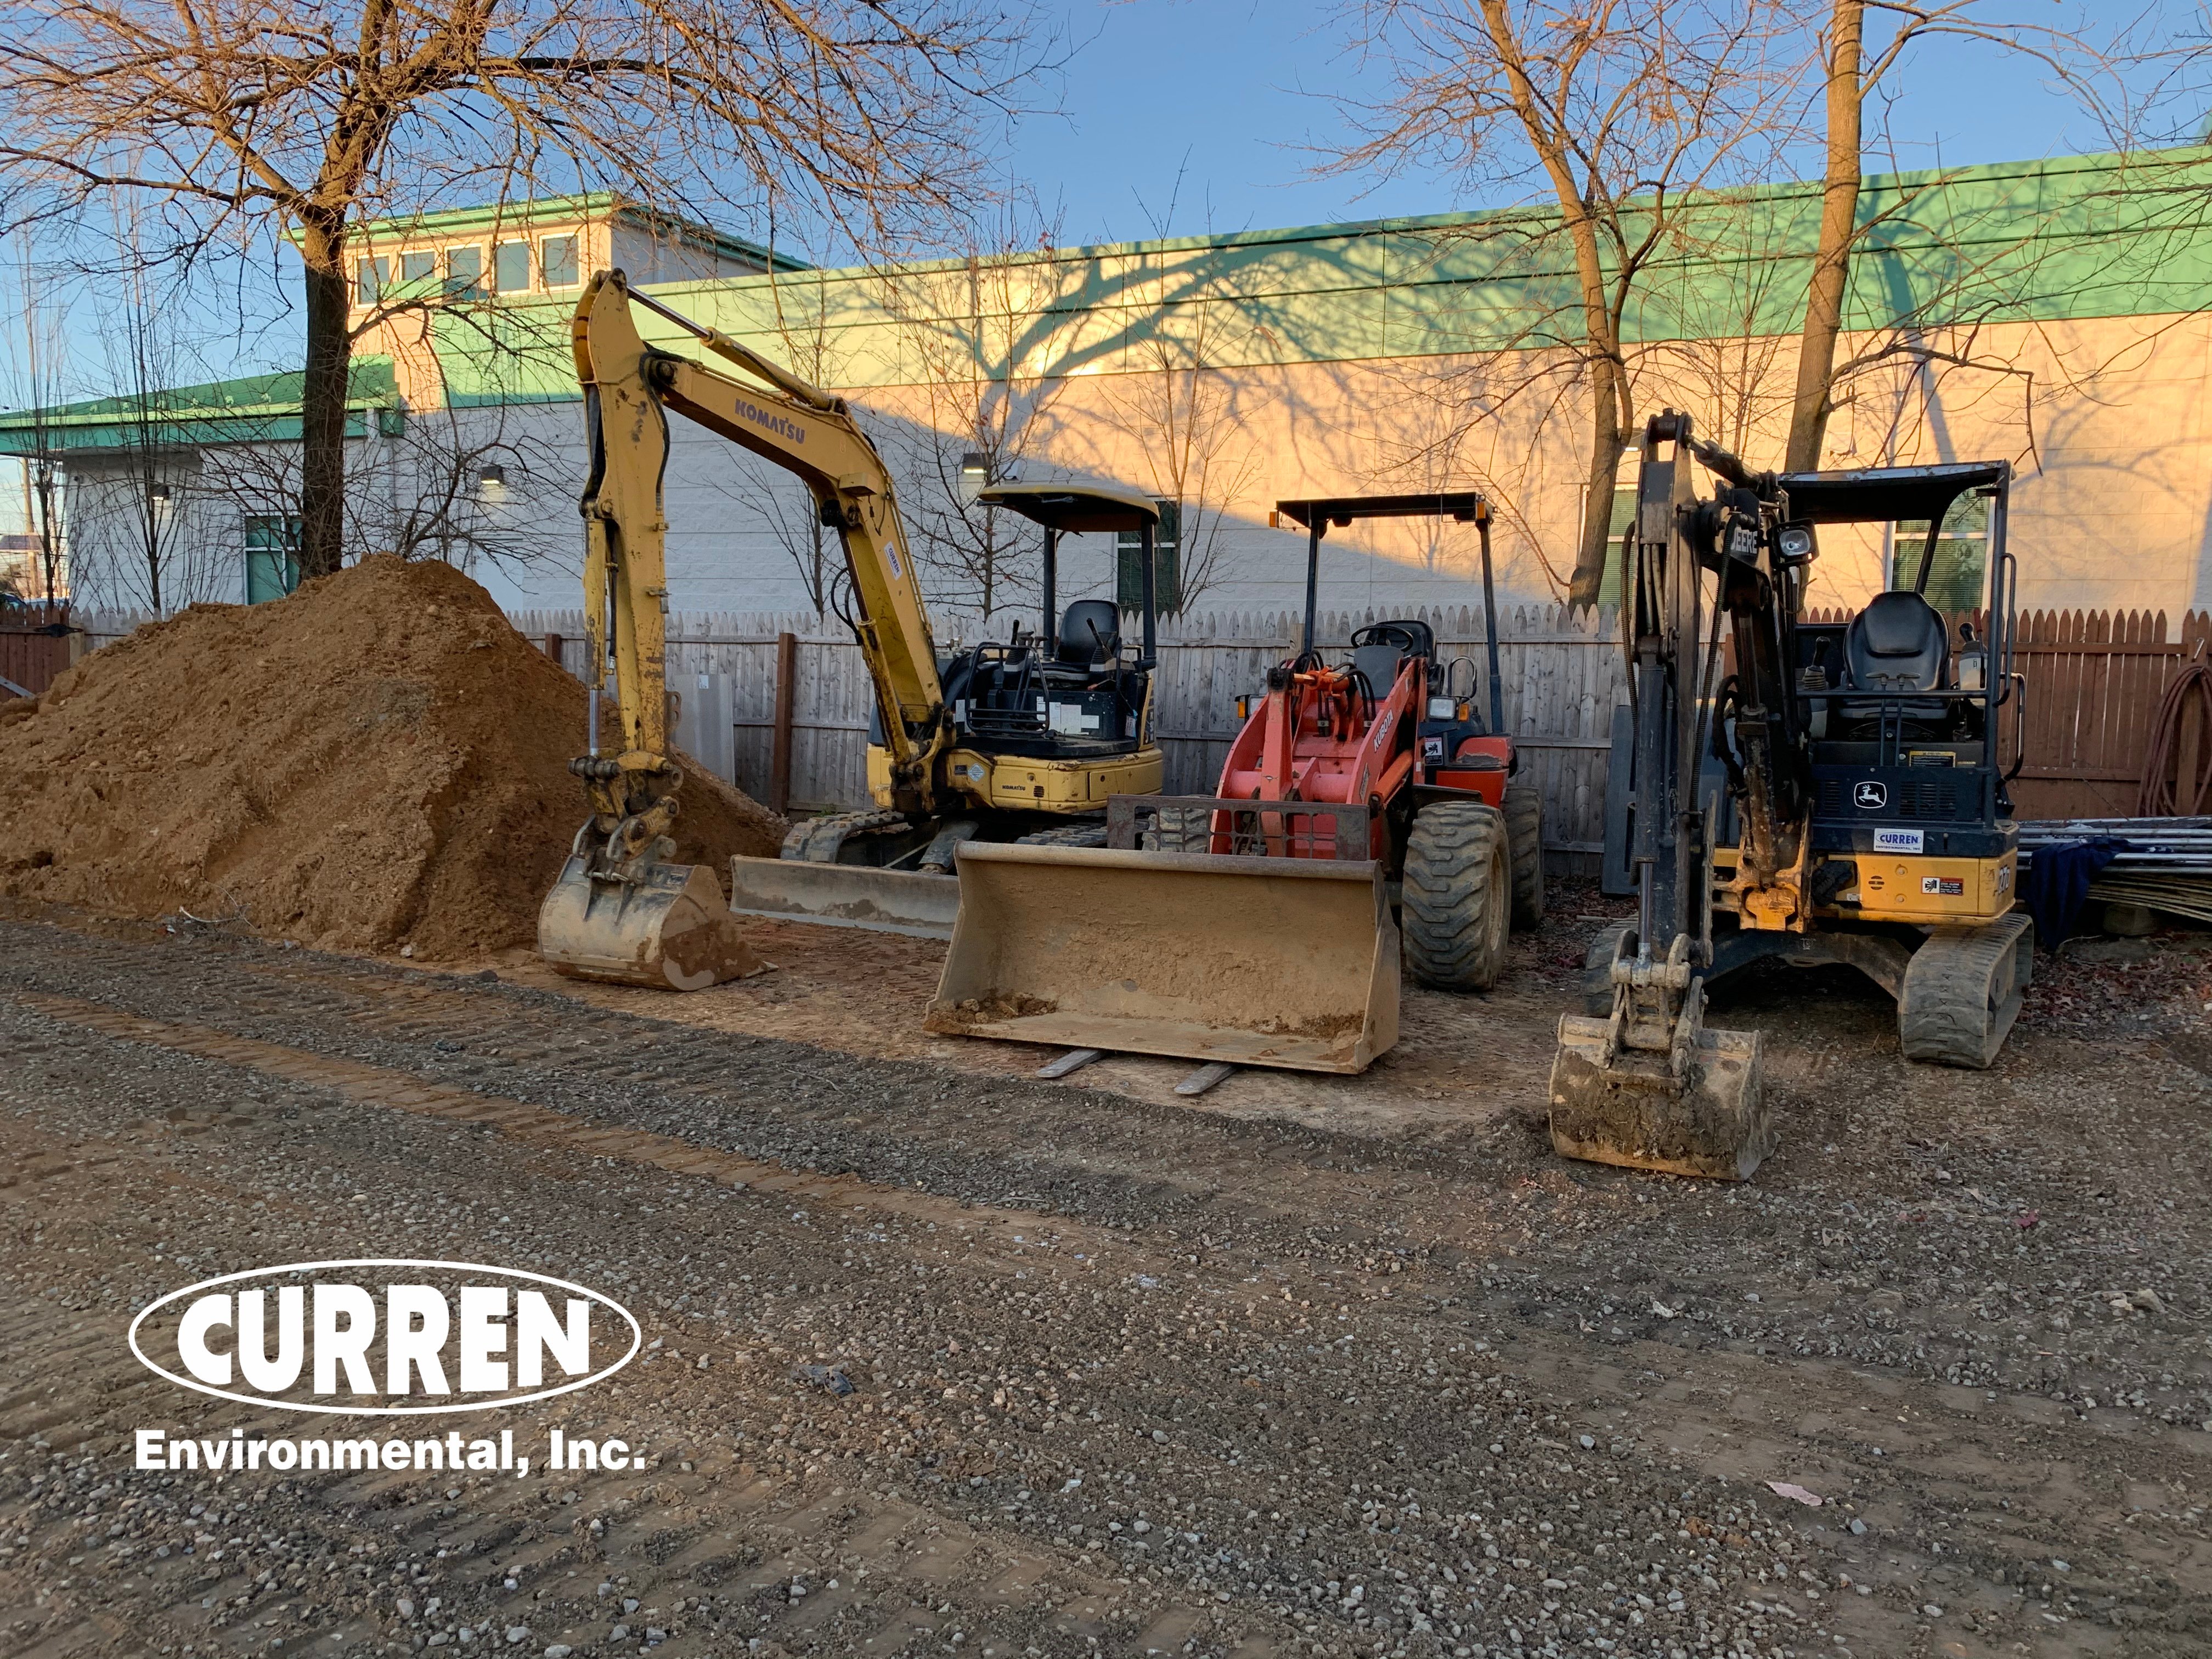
1264 1376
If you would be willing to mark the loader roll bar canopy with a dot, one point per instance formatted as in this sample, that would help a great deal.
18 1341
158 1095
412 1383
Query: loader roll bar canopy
1317 513
1068 508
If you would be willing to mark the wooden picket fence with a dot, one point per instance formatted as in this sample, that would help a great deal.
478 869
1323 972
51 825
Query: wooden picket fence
2094 681
1561 674
34 646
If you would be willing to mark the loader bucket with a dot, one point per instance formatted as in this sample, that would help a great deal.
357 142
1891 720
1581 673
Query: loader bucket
845 896
669 929
1290 963
1631 1107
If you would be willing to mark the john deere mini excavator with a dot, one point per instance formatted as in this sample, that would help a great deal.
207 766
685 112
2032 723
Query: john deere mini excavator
997 742
1837 796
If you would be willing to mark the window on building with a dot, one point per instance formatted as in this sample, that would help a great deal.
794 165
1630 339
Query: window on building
272 556
558 262
510 268
1959 579
1167 564
370 278
417 271
465 273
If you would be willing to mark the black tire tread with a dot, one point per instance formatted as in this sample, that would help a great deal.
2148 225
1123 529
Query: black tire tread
1524 832
1455 894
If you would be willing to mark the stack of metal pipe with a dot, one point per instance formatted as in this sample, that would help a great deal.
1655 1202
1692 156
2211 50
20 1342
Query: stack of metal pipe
2166 865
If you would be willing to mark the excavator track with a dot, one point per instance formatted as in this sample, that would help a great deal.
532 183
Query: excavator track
1087 833
1962 991
815 841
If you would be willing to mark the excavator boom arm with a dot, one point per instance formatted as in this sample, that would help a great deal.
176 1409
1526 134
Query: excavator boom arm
628 386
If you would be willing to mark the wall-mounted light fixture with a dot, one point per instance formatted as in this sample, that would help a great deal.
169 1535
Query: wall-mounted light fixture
491 482
975 475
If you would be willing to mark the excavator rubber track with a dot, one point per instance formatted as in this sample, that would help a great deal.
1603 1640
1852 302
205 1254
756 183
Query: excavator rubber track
1963 990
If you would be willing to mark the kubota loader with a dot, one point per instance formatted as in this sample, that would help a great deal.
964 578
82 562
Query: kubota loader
1254 927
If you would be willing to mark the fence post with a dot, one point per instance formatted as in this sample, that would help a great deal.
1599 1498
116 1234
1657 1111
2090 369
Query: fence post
779 771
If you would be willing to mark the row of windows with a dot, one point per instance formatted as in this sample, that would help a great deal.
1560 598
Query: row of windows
464 276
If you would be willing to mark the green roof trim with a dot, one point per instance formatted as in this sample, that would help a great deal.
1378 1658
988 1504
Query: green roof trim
2068 238
255 408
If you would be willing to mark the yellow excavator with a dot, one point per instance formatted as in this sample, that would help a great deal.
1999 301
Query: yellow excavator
996 742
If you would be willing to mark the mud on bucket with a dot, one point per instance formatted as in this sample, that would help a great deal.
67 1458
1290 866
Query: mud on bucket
668 928
1288 963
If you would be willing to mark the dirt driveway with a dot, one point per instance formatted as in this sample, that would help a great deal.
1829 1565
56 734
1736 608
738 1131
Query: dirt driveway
1331 1367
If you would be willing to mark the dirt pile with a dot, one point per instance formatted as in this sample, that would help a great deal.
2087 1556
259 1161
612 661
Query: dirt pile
378 761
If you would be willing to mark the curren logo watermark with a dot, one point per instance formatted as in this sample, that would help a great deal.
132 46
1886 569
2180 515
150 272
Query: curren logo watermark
386 1337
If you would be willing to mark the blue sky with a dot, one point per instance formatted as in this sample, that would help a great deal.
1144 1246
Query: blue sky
1180 117
1231 94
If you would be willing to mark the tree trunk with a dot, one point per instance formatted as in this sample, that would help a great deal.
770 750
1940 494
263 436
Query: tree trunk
323 397
1609 397
1832 259
1583 587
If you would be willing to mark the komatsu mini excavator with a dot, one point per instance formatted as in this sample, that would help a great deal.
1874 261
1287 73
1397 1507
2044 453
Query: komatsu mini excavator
994 743
1836 794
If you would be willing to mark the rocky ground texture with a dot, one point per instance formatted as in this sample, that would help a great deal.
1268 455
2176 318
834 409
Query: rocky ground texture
1269 1375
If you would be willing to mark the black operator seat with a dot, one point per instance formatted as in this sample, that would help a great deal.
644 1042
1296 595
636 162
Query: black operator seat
1090 634
1377 652
1896 646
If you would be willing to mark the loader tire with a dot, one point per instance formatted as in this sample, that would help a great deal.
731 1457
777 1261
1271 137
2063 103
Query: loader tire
1524 833
1457 895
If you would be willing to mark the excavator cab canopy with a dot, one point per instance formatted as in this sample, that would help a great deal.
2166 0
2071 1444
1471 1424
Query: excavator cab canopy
1065 509
1885 495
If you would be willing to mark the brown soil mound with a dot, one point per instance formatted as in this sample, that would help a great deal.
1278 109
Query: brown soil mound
378 761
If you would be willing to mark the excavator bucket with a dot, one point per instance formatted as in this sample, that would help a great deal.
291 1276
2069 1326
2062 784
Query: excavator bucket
668 928
1633 1107
1650 1085
1290 963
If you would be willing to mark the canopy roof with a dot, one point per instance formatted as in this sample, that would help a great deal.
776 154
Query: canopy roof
1883 494
1074 508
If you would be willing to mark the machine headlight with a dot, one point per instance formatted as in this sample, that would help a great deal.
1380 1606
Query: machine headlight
1795 543
1442 709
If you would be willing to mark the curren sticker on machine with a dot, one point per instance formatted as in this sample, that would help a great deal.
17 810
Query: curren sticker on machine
1901 841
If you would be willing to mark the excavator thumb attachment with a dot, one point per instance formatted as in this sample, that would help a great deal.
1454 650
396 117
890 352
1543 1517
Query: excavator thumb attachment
1652 1087
1290 963
657 924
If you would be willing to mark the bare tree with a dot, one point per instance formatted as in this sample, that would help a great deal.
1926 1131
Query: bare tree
1848 79
779 503
240 121
1188 416
41 387
466 485
974 326
1624 112
138 493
